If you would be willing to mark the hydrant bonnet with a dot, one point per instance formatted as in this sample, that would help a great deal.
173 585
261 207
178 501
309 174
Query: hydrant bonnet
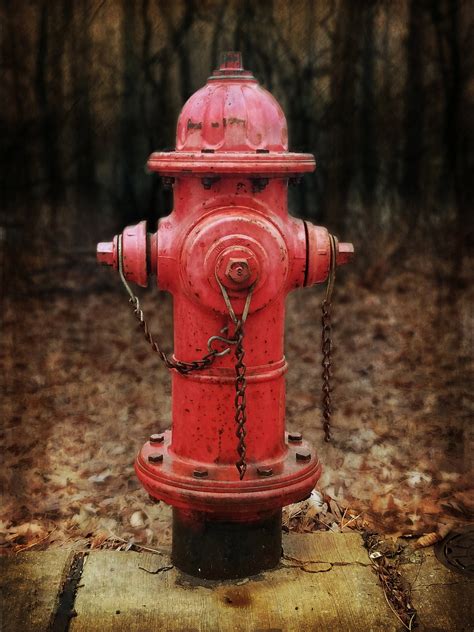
232 112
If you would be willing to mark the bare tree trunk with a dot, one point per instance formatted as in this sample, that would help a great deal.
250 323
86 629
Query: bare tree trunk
81 60
414 115
48 109
368 145
345 56
128 199
15 162
455 181
216 37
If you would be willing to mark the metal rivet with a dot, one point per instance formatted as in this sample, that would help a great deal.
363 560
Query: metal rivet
155 458
200 473
303 455
295 437
157 438
265 471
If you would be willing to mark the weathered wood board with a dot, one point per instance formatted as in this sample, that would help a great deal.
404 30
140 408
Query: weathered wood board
29 587
337 591
325 582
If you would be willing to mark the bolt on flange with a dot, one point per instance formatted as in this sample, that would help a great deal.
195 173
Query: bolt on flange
295 437
155 458
200 473
157 438
303 455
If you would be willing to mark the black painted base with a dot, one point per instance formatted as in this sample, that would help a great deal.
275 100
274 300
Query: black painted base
224 550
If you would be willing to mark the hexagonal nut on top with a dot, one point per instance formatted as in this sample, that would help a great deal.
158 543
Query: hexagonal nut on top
237 267
238 270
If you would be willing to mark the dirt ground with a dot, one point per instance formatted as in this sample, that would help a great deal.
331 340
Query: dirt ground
82 392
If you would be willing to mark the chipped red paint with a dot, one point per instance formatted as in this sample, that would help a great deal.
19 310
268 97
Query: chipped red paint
230 175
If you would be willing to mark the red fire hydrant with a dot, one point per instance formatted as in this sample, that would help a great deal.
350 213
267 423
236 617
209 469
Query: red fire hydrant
229 253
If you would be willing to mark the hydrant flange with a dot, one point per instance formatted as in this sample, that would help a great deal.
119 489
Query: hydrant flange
219 492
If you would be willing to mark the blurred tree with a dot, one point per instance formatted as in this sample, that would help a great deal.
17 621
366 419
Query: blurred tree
342 120
48 88
413 150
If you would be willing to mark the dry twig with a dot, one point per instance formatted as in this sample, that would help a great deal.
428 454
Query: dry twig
132 544
161 569
32 544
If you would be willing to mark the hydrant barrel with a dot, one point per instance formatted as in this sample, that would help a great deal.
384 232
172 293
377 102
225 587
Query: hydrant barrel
229 253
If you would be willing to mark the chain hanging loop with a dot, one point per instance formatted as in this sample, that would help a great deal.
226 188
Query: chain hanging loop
326 341
182 367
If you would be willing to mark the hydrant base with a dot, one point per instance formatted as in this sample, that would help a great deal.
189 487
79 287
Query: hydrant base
210 549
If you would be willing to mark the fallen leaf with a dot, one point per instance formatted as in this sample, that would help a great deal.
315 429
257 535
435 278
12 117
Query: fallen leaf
427 540
138 519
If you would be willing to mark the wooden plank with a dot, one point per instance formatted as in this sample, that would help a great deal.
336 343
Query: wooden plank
444 599
326 546
324 582
336 590
29 587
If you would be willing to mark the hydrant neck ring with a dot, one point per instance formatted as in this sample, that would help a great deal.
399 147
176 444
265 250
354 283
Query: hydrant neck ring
244 76
232 163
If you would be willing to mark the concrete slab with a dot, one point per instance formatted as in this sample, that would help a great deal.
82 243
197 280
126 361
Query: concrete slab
30 584
444 599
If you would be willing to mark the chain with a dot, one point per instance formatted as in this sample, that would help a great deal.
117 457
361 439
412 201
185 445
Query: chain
182 367
240 399
326 342
240 375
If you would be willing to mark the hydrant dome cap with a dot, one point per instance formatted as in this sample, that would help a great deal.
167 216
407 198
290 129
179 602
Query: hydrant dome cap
232 112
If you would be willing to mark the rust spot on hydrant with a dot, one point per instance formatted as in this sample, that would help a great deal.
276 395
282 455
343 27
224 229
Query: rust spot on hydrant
236 121
192 125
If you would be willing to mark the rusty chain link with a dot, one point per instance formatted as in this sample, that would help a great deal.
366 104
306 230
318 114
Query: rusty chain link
240 399
182 367
240 375
326 342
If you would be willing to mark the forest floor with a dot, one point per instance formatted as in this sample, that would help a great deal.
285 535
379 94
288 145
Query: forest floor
82 391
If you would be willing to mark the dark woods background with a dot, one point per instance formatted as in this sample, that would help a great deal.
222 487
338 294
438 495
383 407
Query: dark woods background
380 91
